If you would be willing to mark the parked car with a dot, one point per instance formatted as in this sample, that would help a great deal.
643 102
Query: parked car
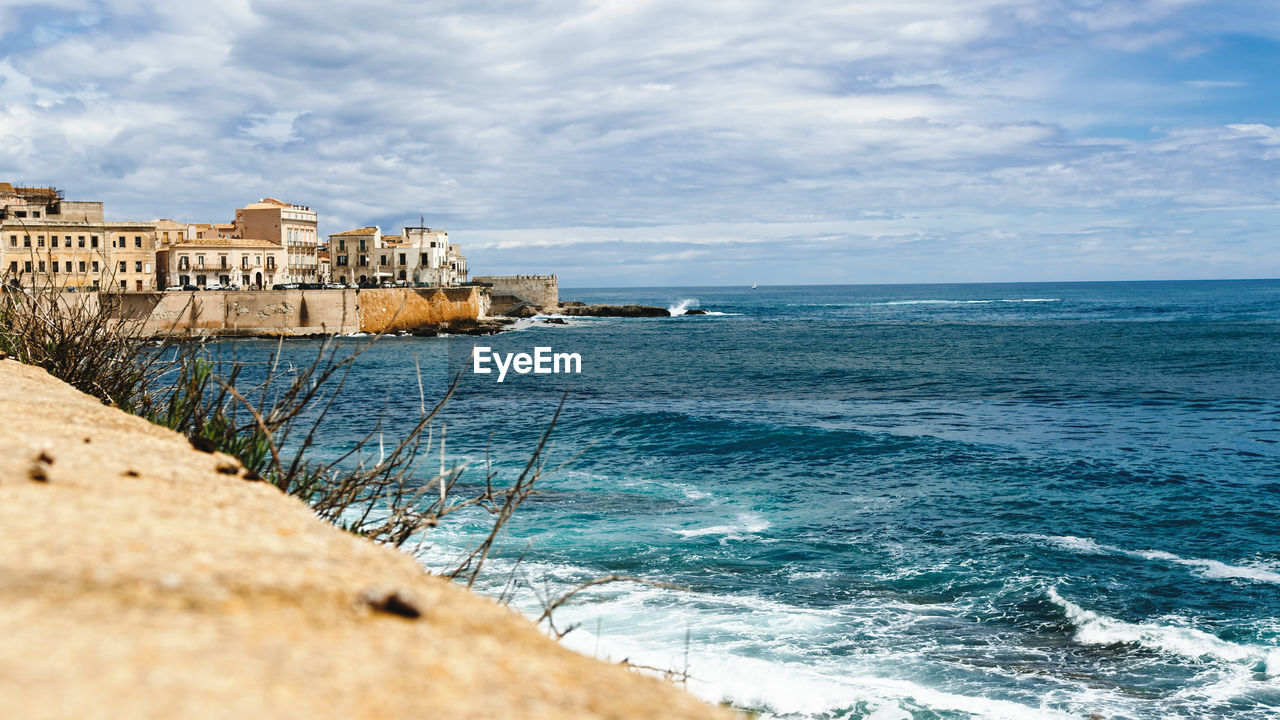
352 286
233 286
173 288
213 286
190 288
285 286
311 286
334 286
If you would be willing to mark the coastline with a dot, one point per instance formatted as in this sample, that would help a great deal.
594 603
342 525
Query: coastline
147 579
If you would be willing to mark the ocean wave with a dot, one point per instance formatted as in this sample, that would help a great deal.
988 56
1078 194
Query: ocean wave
1213 569
680 307
788 689
746 525
1094 628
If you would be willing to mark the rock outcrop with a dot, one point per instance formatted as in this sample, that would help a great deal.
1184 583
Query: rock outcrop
614 311
140 578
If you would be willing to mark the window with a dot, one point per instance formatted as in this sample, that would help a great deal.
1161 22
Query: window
35 213
424 259
137 241
124 284
199 261
402 260
13 266
342 245
81 266
41 266
26 241
271 262
122 241
124 266
53 241
184 262
68 266
244 262
19 213
39 241
95 266
81 241
382 260
13 241
68 241
364 261
27 266
137 266
93 241
222 262
55 266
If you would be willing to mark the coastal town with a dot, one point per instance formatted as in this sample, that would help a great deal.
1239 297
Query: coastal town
251 273
270 244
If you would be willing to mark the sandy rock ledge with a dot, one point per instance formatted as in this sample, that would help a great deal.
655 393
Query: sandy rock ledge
138 581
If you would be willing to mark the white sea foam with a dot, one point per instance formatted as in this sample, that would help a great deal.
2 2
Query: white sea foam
1214 569
1094 628
746 525
680 307
799 689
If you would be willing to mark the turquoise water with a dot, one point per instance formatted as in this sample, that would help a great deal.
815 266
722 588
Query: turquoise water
934 501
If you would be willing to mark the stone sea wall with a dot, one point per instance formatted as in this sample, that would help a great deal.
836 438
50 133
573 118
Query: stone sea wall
510 291
302 312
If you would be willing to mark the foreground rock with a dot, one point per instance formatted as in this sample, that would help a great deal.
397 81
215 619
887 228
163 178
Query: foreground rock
140 578
580 310
482 326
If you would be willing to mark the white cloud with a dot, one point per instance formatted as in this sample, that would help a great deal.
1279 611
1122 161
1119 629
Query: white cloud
663 125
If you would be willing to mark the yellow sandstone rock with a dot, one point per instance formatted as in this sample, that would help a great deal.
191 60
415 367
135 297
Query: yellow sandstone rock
138 581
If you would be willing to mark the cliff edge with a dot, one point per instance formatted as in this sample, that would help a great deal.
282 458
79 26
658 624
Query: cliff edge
136 580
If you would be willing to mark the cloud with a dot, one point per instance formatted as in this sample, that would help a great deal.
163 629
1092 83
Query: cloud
786 134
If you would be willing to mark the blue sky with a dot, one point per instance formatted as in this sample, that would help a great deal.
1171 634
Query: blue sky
669 143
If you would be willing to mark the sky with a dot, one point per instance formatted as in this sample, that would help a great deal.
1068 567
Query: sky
660 143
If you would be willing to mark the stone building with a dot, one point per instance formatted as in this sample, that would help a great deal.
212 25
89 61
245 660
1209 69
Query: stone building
47 240
417 256
207 254
291 226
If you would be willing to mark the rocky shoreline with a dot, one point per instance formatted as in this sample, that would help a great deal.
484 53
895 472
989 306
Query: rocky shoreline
578 309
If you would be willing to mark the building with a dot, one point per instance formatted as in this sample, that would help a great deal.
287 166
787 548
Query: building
206 254
418 256
290 226
47 240
325 264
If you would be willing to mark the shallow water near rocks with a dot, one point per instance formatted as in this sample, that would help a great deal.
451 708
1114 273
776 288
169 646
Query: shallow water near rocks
934 501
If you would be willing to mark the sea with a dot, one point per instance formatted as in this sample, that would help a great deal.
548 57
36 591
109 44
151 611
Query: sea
1041 500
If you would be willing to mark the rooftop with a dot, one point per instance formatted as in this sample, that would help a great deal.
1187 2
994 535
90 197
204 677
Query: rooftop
226 242
357 231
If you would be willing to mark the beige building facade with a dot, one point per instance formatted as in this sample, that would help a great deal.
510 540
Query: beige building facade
417 256
293 227
46 240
